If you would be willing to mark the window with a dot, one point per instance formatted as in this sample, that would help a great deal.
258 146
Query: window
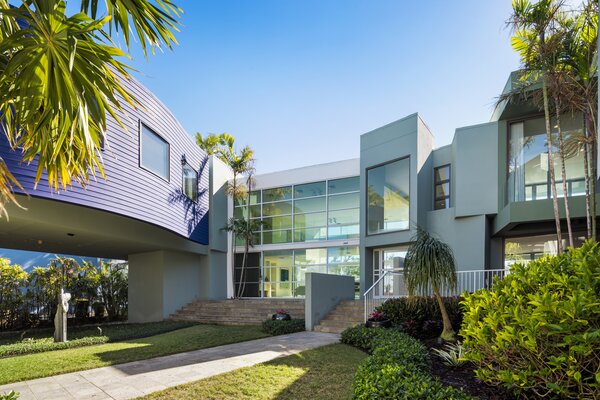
154 153
529 164
388 197
441 187
190 182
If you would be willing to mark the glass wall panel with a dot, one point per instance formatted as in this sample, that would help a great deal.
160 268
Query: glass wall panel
310 234
255 198
311 256
340 201
276 194
309 190
241 212
274 237
281 222
344 185
388 197
310 220
525 249
344 217
339 232
189 182
279 208
309 205
154 152
528 161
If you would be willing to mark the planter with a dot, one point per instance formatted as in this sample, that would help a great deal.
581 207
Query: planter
281 317
386 323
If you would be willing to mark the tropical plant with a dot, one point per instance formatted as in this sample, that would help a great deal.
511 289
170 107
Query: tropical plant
112 287
60 77
12 280
212 144
451 354
244 229
429 266
536 36
537 331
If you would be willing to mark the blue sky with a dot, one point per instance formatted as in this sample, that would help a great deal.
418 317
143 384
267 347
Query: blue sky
299 81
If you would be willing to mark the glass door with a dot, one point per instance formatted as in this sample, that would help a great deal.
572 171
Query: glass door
389 259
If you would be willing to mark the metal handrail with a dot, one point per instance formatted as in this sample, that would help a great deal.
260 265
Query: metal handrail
469 281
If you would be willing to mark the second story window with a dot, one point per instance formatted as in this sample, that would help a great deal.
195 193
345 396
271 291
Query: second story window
190 182
154 152
441 181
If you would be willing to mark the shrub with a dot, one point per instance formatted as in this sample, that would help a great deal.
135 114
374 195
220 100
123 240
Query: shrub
538 330
397 368
47 344
420 316
282 327
12 395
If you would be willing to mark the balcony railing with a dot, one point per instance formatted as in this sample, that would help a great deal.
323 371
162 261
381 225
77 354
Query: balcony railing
391 285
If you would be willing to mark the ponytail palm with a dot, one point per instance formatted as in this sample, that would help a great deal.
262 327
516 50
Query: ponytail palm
429 265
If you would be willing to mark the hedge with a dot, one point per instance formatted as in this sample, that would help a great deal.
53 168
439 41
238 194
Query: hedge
278 327
398 367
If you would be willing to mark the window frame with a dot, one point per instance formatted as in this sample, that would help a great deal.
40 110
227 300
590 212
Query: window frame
186 164
366 195
437 183
143 125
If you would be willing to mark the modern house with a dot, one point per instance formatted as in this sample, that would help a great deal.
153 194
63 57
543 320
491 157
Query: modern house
163 207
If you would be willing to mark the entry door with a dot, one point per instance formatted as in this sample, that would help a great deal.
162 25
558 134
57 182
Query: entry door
389 259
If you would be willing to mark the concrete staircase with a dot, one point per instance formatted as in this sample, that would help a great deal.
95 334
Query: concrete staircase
348 313
237 311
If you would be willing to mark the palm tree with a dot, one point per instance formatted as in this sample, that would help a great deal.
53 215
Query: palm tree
60 77
246 229
536 35
581 58
212 144
429 264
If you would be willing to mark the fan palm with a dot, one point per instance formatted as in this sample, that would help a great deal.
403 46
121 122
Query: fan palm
429 265
60 77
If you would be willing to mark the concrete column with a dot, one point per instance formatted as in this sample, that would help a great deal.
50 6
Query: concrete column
161 282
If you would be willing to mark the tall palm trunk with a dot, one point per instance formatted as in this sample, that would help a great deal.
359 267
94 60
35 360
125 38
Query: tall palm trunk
551 163
234 192
447 331
247 239
592 132
563 171
587 174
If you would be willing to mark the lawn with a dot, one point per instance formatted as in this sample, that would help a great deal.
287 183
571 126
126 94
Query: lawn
322 373
14 369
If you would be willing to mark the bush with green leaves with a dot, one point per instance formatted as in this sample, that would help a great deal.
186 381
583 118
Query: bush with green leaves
12 395
398 367
538 330
280 327
420 316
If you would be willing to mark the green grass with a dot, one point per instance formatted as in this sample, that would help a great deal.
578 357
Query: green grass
14 369
323 373
38 341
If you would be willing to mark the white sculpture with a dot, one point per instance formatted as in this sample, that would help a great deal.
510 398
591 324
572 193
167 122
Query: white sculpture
60 319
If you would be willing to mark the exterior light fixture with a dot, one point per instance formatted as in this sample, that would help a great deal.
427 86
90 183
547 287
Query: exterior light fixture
183 160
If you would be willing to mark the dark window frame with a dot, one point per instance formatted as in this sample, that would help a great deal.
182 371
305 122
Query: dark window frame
437 183
195 198
141 127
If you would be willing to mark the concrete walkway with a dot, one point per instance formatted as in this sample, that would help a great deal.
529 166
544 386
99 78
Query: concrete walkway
127 381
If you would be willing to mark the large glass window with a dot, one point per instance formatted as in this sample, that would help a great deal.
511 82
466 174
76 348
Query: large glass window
154 152
190 182
525 249
441 187
343 185
388 197
528 161
309 190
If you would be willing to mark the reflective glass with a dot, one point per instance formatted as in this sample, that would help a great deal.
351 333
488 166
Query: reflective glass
339 255
310 234
310 220
254 198
388 191
342 232
277 237
276 194
154 153
309 190
310 256
281 222
344 185
241 212
190 182
442 173
344 217
279 208
309 205
350 200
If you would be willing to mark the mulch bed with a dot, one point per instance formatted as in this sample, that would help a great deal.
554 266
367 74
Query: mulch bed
463 377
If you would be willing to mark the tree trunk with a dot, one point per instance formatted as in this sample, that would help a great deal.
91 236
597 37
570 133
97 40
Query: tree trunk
587 174
551 164
447 331
234 191
563 171
592 154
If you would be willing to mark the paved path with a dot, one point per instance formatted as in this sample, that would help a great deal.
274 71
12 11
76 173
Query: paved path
127 381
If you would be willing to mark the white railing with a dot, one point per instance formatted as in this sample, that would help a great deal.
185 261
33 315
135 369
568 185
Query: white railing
391 285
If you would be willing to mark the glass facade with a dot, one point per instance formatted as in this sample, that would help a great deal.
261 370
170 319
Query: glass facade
324 210
388 197
525 249
154 152
282 273
528 162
